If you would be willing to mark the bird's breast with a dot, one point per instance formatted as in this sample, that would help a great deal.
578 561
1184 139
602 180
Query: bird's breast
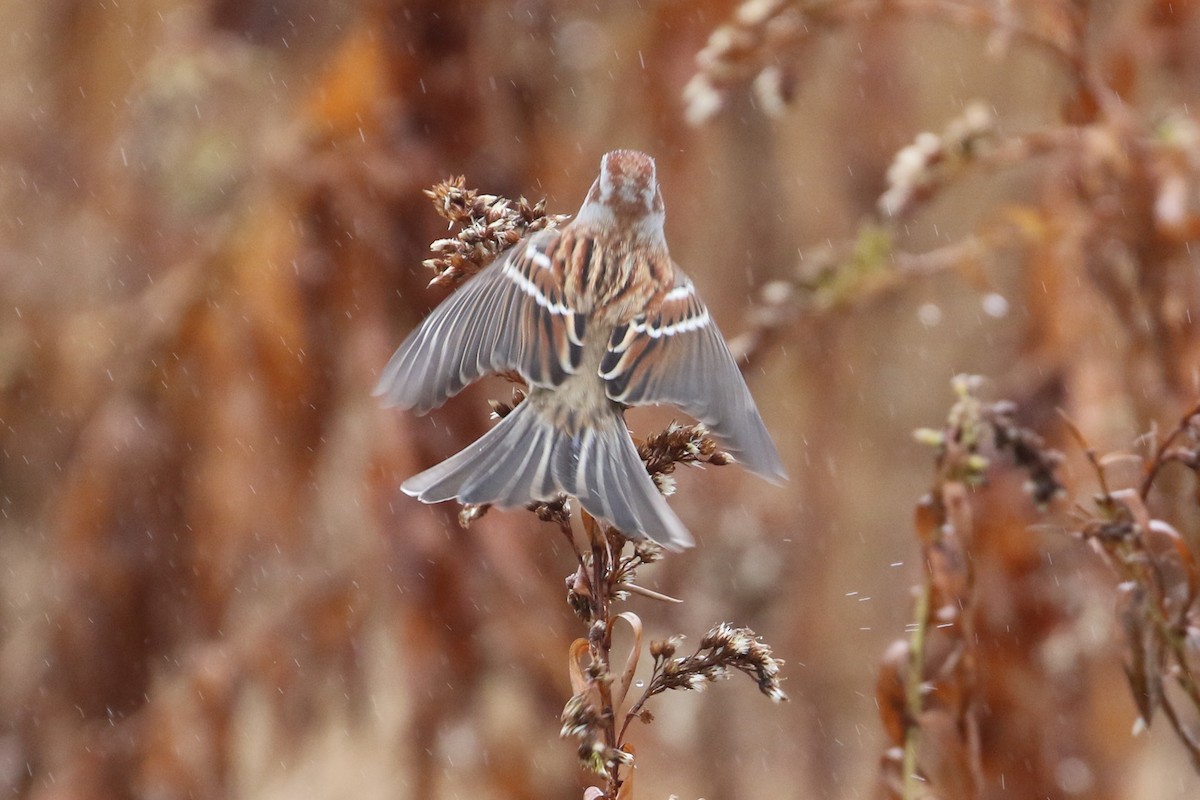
610 279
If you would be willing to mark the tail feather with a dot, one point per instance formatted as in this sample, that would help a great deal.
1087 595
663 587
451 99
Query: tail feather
465 476
621 488
527 458
508 485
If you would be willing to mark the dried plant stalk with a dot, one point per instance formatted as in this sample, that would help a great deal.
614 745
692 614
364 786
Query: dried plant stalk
1160 584
606 566
928 689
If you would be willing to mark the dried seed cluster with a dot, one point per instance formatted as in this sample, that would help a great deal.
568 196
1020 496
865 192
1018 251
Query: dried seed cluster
933 159
976 429
723 649
489 224
679 444
759 46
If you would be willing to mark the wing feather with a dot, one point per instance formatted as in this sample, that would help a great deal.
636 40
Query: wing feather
511 316
677 356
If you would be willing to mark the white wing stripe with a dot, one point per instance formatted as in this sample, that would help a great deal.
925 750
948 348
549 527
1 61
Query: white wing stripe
531 289
539 258
679 292
683 326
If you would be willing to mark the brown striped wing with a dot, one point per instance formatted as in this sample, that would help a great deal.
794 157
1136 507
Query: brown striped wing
677 356
511 316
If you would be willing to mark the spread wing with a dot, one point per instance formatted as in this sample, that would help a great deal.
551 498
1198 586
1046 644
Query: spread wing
511 316
678 356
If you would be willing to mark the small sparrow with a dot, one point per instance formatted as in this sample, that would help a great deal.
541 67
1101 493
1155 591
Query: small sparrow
595 317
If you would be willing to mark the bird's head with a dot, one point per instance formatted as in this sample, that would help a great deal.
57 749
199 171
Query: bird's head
625 196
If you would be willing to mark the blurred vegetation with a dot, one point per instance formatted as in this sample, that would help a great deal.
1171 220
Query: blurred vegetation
212 230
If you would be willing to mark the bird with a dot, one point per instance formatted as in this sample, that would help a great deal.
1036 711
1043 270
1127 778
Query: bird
595 317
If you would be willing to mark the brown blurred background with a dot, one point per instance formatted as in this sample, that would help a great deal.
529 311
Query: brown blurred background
211 235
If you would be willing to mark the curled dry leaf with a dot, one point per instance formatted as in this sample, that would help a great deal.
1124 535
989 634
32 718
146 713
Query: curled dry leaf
1176 569
1147 658
631 661
575 666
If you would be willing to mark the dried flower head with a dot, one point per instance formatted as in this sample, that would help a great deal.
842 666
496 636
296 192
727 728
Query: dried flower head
679 444
667 648
488 224
471 512
976 430
556 511
758 47
500 409
924 166
723 649
584 719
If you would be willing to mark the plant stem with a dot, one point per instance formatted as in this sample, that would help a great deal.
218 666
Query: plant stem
916 669
600 636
